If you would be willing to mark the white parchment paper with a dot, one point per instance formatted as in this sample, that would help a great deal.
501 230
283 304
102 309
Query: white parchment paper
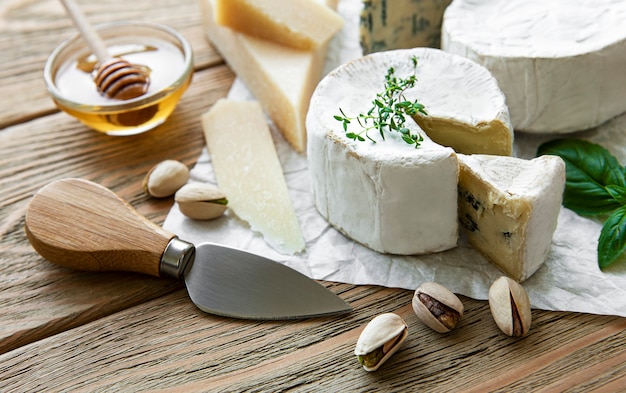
570 279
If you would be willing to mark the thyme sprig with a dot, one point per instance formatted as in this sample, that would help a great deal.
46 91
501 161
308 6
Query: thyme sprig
389 110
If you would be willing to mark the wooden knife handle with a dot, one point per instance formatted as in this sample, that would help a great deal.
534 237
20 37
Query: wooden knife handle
82 225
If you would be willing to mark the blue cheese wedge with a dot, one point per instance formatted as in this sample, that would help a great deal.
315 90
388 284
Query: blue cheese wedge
388 195
560 63
509 208
400 24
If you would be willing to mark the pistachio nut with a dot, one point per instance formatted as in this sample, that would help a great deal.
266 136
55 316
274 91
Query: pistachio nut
510 306
201 201
437 307
165 178
380 339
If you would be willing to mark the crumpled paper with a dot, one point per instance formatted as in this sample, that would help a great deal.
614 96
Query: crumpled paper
569 280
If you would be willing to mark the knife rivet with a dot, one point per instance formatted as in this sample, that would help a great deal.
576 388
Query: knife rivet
177 258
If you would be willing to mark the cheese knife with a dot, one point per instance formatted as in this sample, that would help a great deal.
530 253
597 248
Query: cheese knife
82 225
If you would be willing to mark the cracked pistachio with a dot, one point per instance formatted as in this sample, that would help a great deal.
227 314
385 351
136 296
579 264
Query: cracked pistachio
437 307
380 339
165 178
201 201
510 306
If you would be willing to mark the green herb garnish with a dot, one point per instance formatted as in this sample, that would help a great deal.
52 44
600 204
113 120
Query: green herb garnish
595 185
388 110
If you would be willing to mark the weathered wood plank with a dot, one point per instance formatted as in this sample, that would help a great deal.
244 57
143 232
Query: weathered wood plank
185 350
29 32
40 299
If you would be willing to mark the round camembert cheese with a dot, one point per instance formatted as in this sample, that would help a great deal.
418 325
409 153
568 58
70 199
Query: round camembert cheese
560 63
389 195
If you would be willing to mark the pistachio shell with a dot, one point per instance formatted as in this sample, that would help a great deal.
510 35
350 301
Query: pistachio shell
165 178
201 201
510 306
387 332
442 295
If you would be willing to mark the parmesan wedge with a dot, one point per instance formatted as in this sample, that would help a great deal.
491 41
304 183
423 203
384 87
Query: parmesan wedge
248 171
300 24
281 78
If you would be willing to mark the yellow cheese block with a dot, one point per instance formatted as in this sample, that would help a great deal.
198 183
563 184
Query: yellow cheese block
281 78
247 169
300 24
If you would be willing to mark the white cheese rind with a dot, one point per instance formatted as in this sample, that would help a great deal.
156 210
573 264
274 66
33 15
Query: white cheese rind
281 78
389 196
400 24
560 63
509 208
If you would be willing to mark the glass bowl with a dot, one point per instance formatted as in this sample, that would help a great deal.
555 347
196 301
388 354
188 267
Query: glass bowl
164 53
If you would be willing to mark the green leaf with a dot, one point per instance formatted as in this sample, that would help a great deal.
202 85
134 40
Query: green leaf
589 169
408 139
618 193
388 111
612 241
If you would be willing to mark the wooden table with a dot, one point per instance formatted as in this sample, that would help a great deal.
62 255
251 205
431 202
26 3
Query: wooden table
71 331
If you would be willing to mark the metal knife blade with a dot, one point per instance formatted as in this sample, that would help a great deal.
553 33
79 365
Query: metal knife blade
235 283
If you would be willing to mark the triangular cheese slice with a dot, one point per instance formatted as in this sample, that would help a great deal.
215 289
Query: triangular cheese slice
509 208
282 79
253 182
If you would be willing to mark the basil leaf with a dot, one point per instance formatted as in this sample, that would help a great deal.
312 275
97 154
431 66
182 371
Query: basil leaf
612 241
589 169
618 193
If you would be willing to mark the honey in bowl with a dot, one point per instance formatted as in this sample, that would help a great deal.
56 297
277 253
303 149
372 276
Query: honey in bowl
165 56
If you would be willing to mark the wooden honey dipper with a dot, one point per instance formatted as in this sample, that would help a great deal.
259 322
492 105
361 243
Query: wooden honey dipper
116 78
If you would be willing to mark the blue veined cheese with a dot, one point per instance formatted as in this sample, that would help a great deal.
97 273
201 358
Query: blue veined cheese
560 63
509 208
400 24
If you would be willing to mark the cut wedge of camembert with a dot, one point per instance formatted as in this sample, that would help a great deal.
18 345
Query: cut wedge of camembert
560 63
509 208
281 78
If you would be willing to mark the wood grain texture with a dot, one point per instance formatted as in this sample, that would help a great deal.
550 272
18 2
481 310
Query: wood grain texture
37 152
144 348
63 330
82 225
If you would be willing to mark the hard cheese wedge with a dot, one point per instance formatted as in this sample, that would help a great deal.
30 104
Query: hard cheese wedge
300 24
282 79
248 171
509 208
